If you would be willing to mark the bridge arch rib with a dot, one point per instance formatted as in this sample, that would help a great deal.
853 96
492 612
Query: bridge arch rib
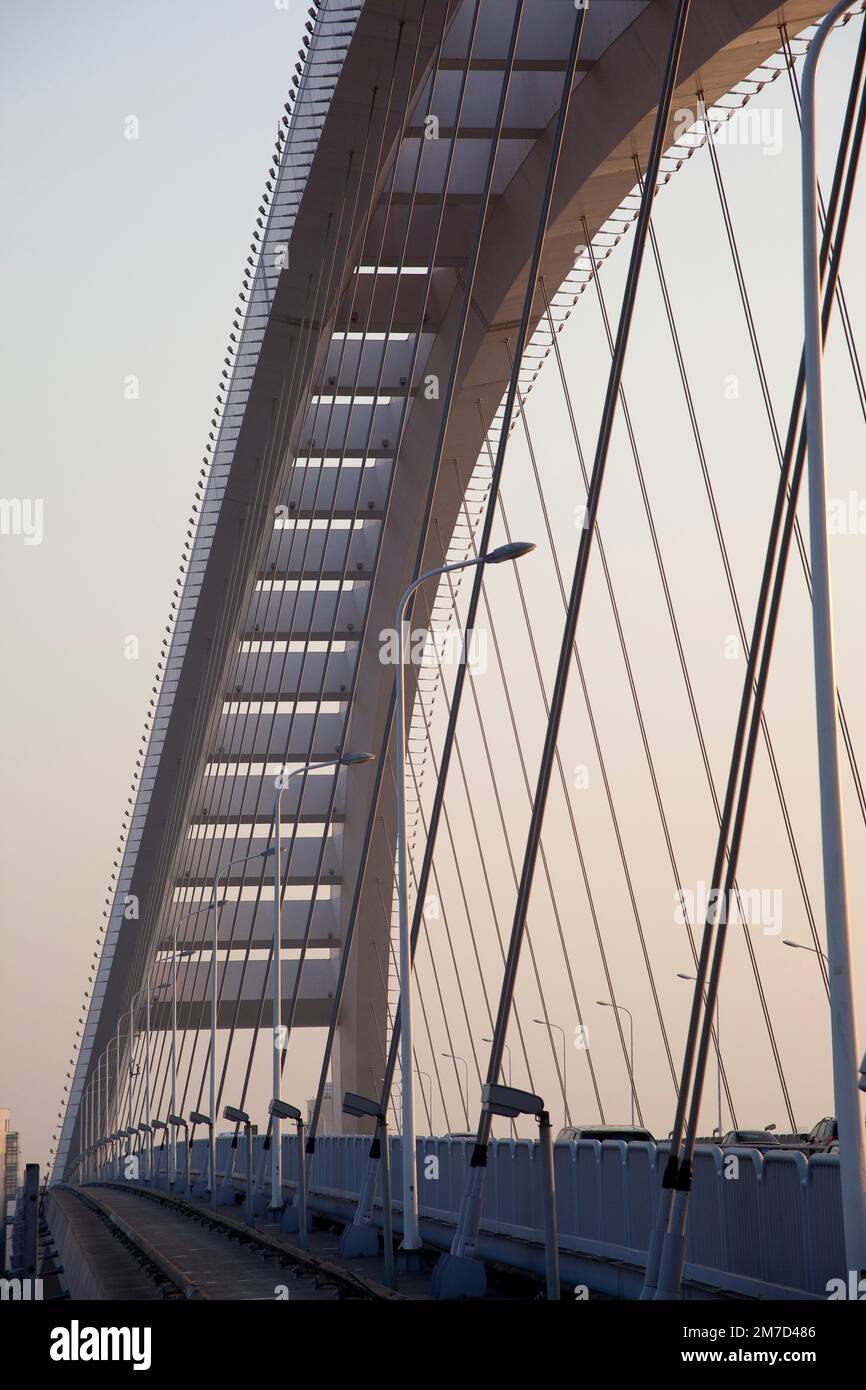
314 498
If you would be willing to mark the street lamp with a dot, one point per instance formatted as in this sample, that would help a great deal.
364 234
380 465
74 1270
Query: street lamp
97 1084
606 1004
453 1056
112 1138
175 956
147 1125
504 1100
241 859
395 1086
281 1110
145 990
84 1139
361 1238
425 1075
118 1153
130 1071
159 1127
545 1023
198 1117
800 946
513 551
681 976
102 1108
507 1052
236 1116
103 1062
281 782
178 1122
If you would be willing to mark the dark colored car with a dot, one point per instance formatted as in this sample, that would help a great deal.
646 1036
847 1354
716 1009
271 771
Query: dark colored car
631 1134
823 1136
760 1139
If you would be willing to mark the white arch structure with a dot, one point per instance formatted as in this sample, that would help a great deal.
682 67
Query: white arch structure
325 455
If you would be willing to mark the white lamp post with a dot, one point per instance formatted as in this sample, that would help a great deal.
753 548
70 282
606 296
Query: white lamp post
241 859
145 990
455 1057
545 1023
109 1133
843 1020
175 956
801 946
606 1004
411 1237
281 782
507 1050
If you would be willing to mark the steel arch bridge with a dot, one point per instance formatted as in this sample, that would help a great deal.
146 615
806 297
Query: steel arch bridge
353 447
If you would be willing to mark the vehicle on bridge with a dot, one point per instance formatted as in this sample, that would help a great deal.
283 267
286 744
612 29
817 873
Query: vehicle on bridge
760 1139
630 1134
823 1137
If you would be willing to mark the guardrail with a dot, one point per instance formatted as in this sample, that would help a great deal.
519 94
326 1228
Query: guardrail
759 1226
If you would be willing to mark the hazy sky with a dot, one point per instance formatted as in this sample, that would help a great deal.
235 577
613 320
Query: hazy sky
119 257
123 257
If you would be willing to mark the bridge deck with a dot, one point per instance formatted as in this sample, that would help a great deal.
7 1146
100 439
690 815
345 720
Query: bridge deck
221 1270
203 1254
211 1261
113 1271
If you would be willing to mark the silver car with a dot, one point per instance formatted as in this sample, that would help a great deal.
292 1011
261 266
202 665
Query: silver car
630 1134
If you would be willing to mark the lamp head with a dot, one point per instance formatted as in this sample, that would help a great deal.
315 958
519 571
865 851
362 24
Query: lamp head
507 1101
281 1110
513 551
361 1107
